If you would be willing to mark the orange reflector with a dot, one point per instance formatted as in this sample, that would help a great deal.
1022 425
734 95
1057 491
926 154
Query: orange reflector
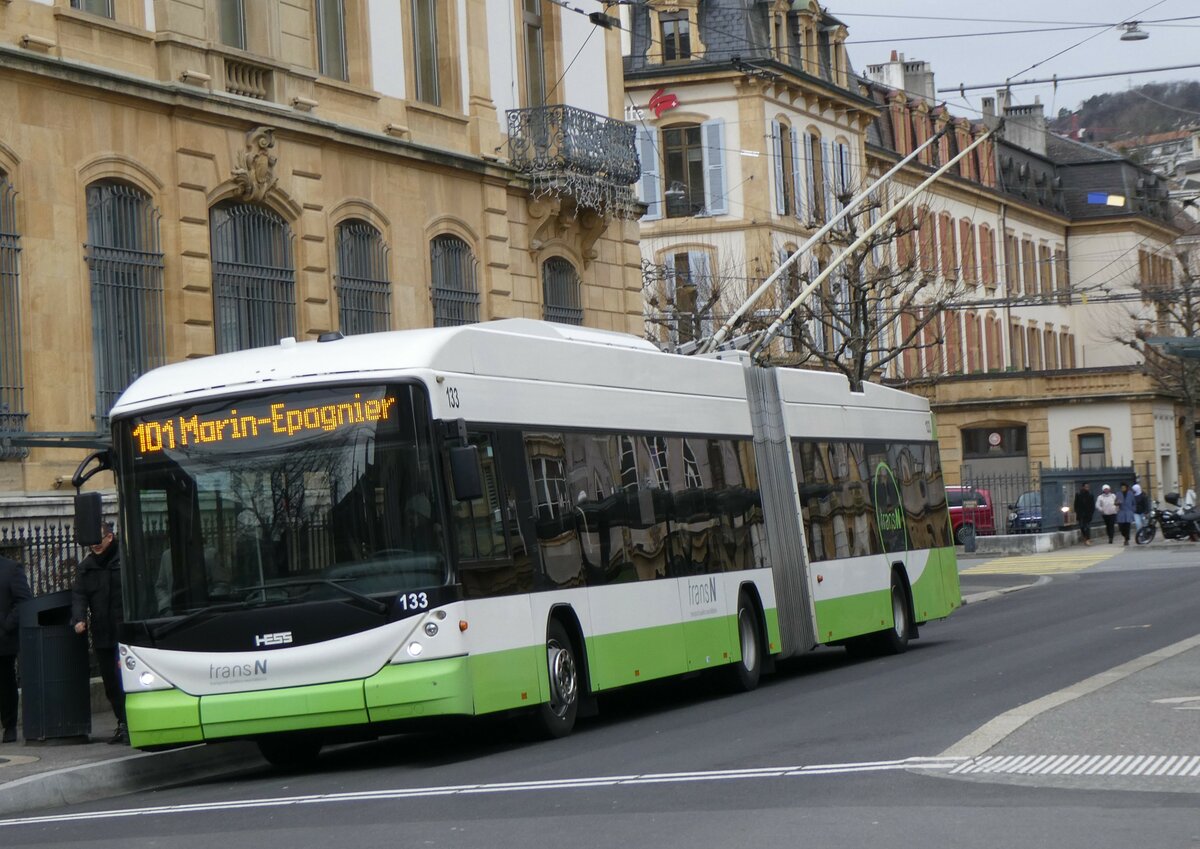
820 579
725 655
462 624
637 673
524 696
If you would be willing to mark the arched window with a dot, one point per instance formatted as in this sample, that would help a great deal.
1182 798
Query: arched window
452 269
125 265
12 385
561 292
254 281
363 291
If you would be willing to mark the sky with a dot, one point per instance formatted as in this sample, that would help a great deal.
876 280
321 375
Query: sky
877 27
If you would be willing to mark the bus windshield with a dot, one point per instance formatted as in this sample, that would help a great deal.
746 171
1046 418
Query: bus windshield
287 497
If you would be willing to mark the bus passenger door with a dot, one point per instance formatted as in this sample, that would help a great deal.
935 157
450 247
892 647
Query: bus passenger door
505 649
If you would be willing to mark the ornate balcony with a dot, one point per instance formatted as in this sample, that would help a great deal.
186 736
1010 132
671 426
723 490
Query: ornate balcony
574 154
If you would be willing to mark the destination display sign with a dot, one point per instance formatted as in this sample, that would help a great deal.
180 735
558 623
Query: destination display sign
258 419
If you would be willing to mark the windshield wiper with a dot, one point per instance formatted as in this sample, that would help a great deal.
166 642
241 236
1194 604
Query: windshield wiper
203 612
371 604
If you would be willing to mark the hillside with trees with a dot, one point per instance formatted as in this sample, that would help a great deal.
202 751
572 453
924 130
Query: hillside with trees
1151 108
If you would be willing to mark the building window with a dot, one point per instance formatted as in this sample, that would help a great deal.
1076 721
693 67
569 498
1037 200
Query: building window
561 292
231 23
685 170
104 8
425 50
535 57
656 450
981 443
786 188
363 291
12 386
331 38
254 280
690 289
125 267
676 36
1091 450
455 291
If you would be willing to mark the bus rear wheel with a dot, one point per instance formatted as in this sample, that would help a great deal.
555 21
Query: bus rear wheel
290 752
743 675
895 639
556 716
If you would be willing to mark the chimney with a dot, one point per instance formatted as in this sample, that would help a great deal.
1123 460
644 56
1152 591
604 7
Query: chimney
1025 126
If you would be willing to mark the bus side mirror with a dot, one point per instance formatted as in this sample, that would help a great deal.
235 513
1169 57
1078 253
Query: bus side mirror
89 513
464 472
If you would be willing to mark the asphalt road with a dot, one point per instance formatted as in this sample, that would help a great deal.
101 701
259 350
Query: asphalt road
829 752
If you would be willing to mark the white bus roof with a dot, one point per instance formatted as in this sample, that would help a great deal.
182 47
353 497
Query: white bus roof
551 363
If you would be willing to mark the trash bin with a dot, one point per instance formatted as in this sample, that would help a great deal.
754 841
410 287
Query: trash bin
55 675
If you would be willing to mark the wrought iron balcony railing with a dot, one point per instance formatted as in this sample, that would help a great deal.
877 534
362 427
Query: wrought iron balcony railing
571 152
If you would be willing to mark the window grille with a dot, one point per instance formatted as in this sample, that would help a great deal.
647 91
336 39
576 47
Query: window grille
12 386
254 282
560 290
455 290
363 291
125 264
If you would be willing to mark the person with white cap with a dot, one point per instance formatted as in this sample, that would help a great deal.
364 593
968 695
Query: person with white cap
1108 503
1126 514
1141 507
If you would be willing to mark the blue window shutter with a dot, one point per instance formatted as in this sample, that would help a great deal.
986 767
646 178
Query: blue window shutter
798 176
648 186
777 157
701 269
827 166
810 176
712 136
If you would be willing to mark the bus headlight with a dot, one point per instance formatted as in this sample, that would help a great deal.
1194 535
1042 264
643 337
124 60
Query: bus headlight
147 679
414 649
431 629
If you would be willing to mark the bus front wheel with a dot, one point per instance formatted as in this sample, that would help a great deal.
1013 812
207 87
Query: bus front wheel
557 715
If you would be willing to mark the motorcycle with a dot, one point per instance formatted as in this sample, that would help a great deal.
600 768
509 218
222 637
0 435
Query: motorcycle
1180 523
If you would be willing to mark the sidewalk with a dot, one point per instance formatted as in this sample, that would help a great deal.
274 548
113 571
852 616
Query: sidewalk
65 772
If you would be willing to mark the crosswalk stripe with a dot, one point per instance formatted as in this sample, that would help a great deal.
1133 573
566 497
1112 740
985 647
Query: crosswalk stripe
1050 563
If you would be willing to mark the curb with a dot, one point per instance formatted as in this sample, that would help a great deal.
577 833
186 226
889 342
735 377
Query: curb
975 598
126 774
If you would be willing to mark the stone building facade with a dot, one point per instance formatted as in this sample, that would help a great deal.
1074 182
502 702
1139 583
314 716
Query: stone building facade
182 177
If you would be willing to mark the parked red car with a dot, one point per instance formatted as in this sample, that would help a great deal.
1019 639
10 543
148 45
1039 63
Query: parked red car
970 510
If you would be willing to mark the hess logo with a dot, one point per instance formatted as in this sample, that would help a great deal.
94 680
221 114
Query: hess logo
281 638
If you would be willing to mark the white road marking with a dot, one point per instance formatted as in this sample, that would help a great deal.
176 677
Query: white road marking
505 787
1180 766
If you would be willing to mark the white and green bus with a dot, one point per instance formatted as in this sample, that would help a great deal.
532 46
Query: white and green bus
339 536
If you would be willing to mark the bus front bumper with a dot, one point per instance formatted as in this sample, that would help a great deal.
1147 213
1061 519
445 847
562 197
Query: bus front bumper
401 691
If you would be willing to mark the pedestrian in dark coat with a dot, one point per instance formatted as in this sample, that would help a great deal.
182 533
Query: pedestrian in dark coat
14 589
1085 510
97 591
1126 511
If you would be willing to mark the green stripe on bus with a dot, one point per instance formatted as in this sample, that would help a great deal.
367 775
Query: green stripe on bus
161 717
502 680
288 709
428 688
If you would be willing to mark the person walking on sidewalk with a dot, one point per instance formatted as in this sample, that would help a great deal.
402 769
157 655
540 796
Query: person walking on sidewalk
14 590
1141 506
1085 509
1127 512
1108 503
97 591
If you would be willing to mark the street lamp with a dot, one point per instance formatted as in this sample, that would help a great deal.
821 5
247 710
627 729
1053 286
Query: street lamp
1133 33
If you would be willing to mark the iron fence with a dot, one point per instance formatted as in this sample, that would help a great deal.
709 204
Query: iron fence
48 552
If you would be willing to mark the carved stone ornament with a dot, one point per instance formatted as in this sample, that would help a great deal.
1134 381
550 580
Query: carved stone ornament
560 218
255 169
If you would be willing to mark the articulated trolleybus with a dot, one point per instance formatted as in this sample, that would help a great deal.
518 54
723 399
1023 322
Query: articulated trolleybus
330 538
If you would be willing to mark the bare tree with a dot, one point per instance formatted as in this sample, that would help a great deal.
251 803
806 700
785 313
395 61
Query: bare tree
1170 308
